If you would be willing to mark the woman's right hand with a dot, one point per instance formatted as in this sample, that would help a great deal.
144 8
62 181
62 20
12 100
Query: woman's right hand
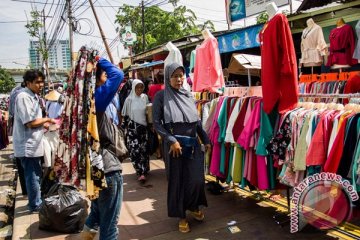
175 149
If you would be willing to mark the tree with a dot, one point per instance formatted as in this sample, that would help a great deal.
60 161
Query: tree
160 26
7 82
264 16
34 29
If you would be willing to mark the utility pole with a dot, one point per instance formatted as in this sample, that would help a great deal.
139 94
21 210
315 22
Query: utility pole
101 32
70 33
143 24
45 50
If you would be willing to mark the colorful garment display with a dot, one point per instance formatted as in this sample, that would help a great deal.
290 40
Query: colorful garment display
208 70
77 155
342 46
278 65
4 139
299 143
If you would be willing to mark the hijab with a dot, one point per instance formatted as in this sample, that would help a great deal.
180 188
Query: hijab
135 105
179 105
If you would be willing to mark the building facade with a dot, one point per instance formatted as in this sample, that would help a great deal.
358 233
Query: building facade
59 55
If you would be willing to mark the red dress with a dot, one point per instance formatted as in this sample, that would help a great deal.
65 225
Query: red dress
278 65
342 46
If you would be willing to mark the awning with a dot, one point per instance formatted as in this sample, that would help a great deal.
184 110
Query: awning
146 65
241 39
245 64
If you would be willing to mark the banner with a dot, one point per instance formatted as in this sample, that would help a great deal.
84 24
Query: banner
128 37
239 9
242 39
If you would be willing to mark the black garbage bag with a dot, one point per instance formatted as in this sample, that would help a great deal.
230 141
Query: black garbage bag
63 210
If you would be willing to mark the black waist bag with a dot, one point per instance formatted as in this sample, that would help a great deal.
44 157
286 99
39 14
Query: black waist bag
187 144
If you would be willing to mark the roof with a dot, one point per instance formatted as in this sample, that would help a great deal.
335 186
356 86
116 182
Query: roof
244 64
309 4
180 43
146 65
326 15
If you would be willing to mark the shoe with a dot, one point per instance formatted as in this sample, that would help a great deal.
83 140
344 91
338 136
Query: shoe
86 235
142 178
36 210
198 215
184 226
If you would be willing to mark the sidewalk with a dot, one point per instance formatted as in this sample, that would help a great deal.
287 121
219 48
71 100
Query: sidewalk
144 215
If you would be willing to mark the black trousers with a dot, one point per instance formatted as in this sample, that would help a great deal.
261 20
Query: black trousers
21 176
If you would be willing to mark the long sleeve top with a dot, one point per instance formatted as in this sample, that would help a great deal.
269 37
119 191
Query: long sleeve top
342 45
106 92
313 45
278 65
208 70
167 131
357 49
107 130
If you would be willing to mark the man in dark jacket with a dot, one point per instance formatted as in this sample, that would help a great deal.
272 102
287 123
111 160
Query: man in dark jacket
105 210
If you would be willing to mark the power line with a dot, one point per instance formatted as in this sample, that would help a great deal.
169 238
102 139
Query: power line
12 21
206 9
107 15
111 5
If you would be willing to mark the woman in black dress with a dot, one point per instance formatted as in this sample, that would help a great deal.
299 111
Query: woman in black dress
177 121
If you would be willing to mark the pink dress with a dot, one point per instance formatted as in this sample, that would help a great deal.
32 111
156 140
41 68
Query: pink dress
255 169
214 136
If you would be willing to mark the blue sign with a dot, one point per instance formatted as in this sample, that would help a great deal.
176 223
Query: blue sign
242 39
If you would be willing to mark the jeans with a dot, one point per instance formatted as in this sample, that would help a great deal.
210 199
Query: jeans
105 210
33 173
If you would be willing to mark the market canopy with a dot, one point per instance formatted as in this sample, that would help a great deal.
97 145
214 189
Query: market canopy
146 65
245 64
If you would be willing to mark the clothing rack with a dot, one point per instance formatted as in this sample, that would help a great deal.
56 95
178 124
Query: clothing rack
344 95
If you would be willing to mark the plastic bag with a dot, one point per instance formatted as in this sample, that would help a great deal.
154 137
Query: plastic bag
63 210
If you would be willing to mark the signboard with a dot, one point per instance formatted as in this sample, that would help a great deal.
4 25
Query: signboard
128 37
239 9
242 39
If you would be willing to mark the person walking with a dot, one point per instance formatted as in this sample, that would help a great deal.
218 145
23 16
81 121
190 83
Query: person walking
105 210
28 133
176 120
134 113
14 92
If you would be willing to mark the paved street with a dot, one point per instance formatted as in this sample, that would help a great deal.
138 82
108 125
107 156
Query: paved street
144 215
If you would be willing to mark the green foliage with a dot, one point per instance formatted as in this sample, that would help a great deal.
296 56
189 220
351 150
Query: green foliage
262 18
7 82
34 27
160 26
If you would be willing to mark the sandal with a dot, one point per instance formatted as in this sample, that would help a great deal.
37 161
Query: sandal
198 215
184 227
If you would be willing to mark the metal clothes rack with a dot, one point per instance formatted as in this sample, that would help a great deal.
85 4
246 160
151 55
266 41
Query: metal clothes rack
340 95
280 219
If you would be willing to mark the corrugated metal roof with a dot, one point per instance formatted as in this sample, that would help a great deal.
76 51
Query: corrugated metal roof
309 4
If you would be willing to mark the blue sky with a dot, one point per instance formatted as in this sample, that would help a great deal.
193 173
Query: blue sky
14 42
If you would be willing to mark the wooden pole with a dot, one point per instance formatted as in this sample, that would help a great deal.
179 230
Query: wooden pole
101 32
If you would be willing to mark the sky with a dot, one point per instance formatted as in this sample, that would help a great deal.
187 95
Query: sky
14 42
